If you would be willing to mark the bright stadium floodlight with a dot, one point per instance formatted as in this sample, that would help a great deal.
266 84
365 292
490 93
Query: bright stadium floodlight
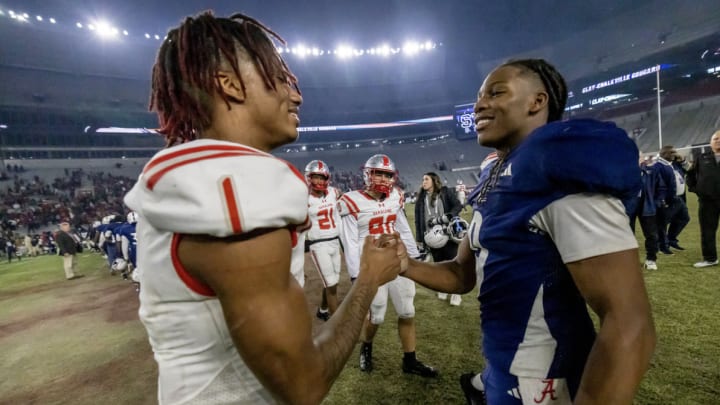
147 35
26 15
157 37
52 21
79 25
315 52
105 30
38 17
91 27
280 50
344 51
410 48
126 33
429 45
384 50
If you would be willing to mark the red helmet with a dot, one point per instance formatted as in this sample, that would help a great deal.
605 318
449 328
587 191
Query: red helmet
383 164
317 167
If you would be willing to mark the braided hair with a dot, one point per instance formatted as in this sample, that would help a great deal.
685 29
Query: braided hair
552 80
184 75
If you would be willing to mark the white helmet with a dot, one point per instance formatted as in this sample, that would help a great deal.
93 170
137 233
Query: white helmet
457 229
119 264
379 163
132 217
436 237
317 167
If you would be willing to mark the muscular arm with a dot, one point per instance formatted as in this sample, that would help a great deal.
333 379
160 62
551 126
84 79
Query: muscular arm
612 285
455 276
266 311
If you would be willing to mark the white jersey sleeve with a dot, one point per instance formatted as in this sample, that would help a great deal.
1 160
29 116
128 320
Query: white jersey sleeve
586 225
220 189
351 244
403 228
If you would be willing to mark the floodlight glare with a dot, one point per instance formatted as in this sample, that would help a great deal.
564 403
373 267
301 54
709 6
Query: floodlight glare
26 15
157 36
125 33
429 45
147 35
91 27
79 25
52 21
410 47
344 51
39 18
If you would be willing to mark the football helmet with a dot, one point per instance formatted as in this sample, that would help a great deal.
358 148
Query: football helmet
457 229
132 217
317 167
119 264
436 237
379 163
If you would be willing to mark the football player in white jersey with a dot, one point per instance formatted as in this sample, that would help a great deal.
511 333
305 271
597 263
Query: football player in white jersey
323 237
218 220
377 210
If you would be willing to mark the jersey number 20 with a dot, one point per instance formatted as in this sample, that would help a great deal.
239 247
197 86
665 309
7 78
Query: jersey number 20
382 224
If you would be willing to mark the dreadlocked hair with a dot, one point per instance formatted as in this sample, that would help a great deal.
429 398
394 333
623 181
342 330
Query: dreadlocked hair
552 80
184 75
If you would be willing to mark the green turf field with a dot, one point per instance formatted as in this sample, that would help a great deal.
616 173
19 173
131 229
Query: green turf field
80 342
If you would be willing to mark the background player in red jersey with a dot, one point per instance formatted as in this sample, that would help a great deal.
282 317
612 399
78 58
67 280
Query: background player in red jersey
323 237
378 210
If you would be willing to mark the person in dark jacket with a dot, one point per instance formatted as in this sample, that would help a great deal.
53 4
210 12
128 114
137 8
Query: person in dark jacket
68 249
436 205
703 179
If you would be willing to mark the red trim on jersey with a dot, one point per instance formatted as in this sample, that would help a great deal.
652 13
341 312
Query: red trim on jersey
305 225
190 281
150 184
294 170
352 206
196 149
293 235
231 204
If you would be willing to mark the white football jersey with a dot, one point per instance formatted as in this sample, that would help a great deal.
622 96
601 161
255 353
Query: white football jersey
363 215
324 216
215 188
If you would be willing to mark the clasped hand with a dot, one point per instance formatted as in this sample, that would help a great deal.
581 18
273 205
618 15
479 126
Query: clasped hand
384 257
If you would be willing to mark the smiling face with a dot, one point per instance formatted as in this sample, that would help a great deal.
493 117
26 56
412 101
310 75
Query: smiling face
272 113
510 104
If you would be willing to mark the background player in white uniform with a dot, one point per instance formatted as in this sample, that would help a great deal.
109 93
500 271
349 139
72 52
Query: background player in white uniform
219 218
377 210
323 237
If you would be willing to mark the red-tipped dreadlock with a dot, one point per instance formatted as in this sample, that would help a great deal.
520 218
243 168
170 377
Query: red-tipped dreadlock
184 76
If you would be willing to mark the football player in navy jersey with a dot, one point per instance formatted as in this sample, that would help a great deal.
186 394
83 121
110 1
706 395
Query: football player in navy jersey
549 235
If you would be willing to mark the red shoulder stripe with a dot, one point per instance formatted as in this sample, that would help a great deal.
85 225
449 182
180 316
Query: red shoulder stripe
150 184
196 149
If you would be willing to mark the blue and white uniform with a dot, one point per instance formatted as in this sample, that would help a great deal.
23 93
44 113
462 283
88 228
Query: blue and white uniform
550 202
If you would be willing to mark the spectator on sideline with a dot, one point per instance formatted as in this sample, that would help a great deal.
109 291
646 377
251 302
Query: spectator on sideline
436 205
549 237
68 249
218 224
703 179
677 216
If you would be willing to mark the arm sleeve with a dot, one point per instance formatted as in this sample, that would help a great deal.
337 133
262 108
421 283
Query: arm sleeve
669 177
586 225
691 176
403 227
349 238
419 220
453 207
